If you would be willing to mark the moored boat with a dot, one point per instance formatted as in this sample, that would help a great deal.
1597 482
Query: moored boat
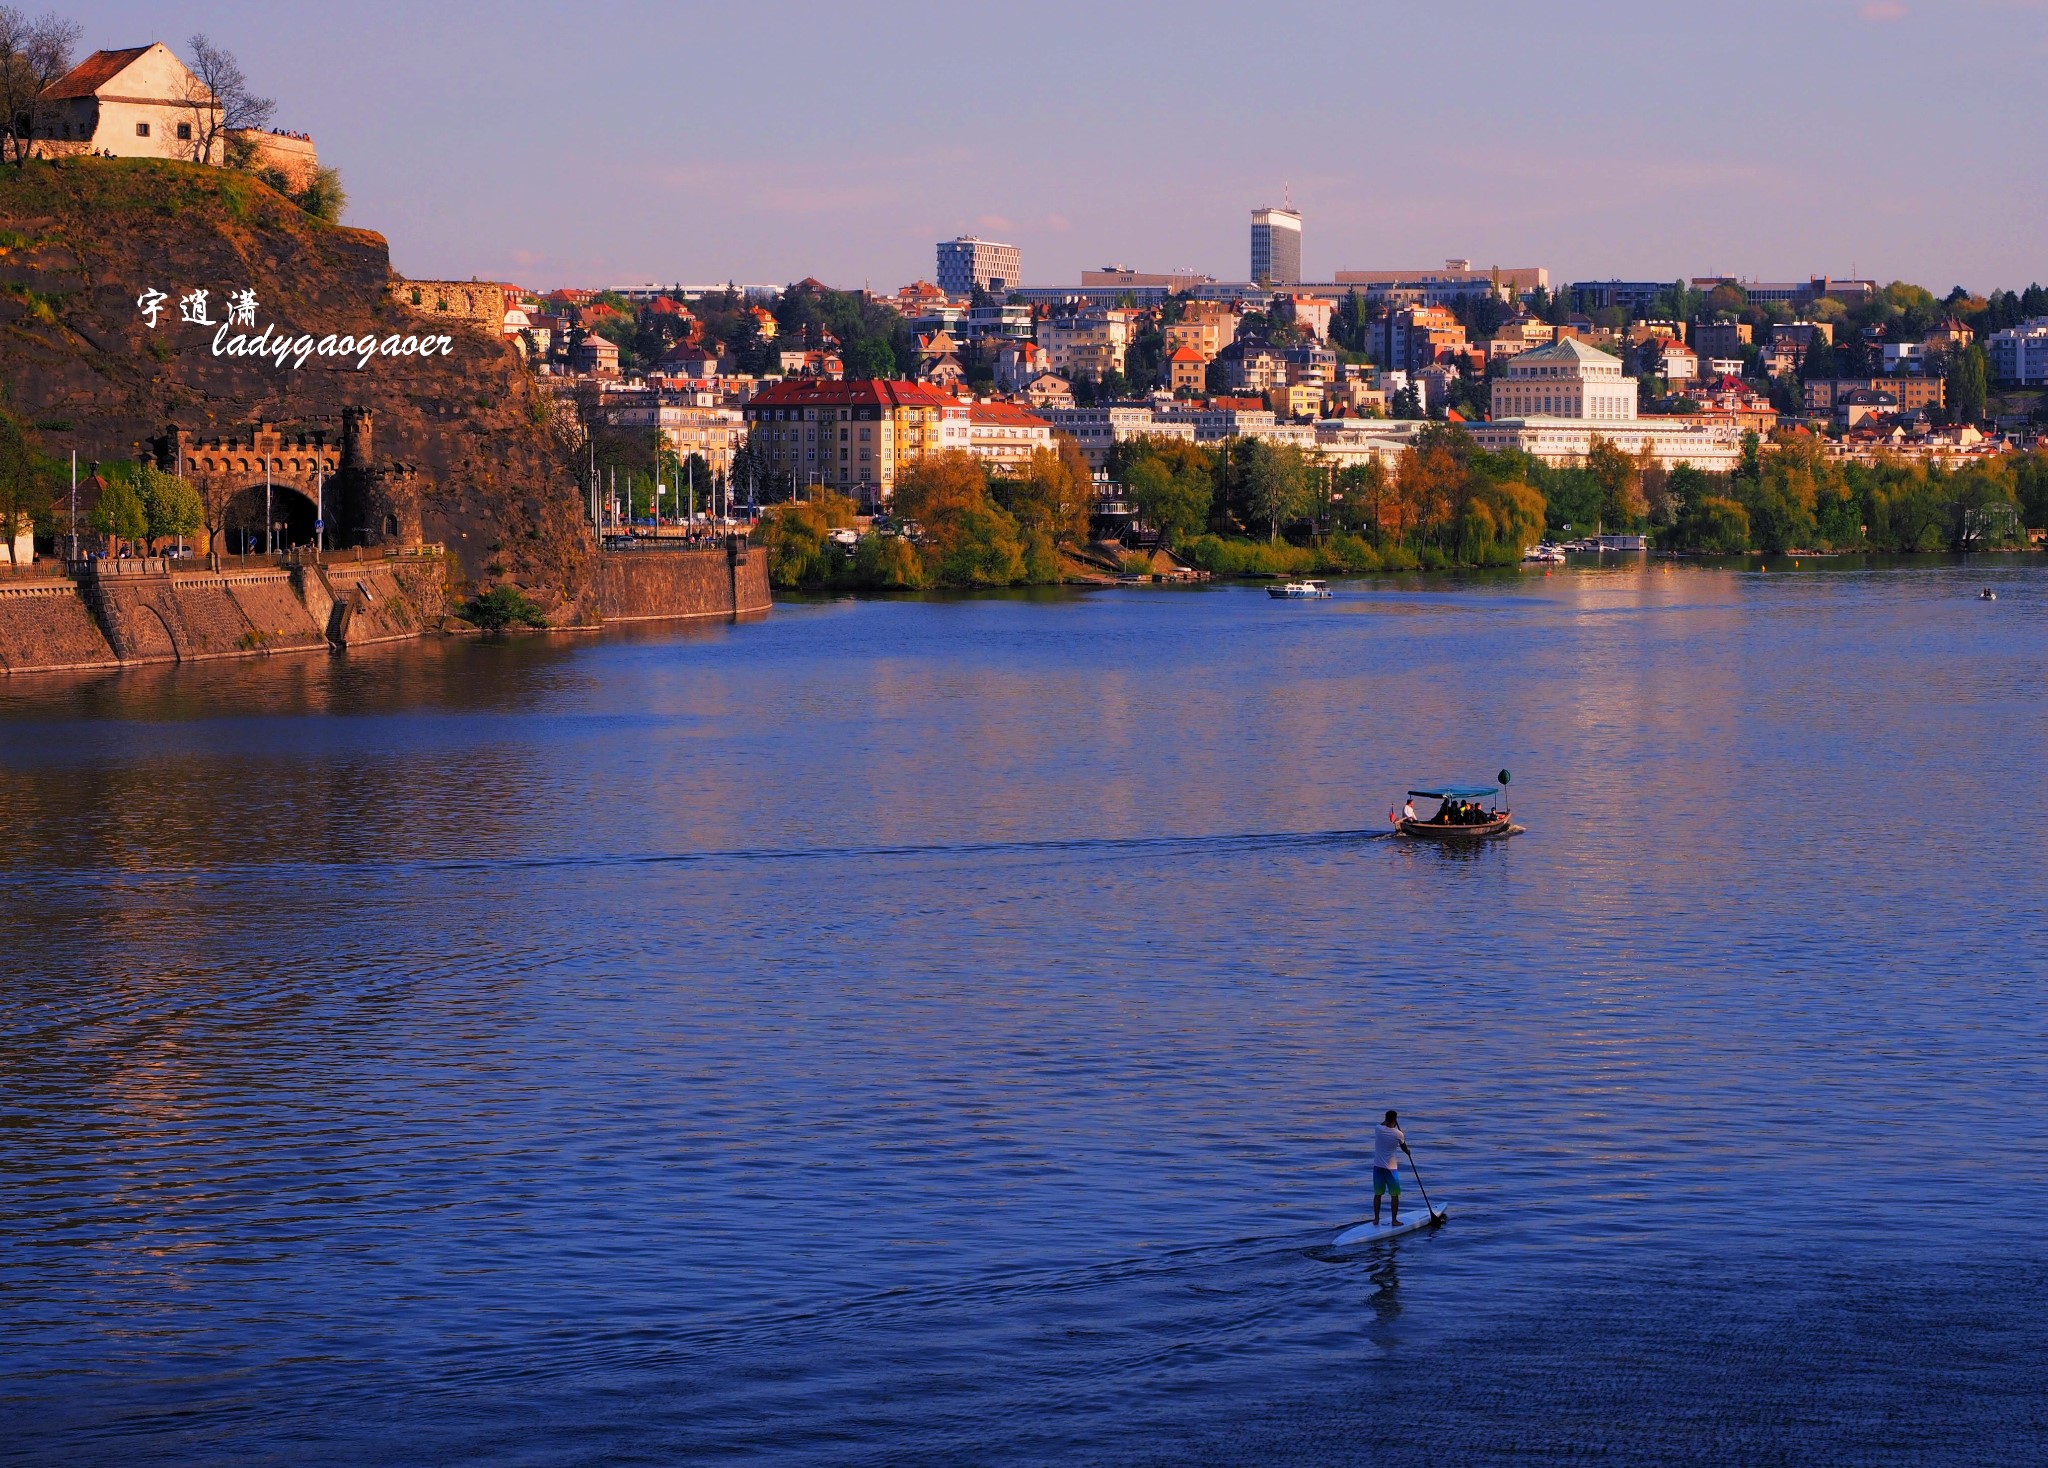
1299 590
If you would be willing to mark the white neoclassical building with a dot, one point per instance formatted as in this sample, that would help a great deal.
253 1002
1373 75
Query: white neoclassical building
1566 379
1553 403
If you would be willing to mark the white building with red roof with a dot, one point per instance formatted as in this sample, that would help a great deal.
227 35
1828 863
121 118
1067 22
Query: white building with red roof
137 102
1004 436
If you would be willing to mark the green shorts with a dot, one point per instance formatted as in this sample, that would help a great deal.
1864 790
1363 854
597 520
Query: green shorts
1386 1180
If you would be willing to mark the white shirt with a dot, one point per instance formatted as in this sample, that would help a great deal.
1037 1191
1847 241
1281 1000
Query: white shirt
1408 811
1386 1147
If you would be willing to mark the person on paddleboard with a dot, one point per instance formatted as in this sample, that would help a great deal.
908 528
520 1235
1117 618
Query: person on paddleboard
1388 1144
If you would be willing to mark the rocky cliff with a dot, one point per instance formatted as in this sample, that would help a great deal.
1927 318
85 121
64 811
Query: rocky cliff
460 439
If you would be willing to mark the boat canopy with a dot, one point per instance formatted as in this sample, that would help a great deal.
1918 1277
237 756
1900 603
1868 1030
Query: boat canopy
1456 792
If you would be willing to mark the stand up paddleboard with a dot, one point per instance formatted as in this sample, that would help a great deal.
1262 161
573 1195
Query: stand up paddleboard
1369 1233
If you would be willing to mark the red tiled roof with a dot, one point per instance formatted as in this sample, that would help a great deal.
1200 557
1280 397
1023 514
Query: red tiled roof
1185 353
1004 415
86 78
859 392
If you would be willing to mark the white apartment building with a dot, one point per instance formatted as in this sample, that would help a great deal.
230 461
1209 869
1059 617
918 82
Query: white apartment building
1099 429
2020 353
1715 448
1566 379
1091 344
713 432
1004 436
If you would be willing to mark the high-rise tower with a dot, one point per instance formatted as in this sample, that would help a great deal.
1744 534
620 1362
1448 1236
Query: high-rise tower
970 264
1276 246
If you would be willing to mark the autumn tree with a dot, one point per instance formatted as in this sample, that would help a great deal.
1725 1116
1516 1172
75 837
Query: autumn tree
1054 494
1429 483
969 540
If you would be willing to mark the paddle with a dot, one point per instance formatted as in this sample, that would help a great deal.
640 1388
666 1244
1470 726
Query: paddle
1418 1183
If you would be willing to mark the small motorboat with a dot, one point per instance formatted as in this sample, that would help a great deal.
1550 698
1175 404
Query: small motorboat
1299 590
1459 815
1547 553
1987 596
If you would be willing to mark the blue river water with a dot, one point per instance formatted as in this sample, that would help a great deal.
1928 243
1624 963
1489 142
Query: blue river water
950 1031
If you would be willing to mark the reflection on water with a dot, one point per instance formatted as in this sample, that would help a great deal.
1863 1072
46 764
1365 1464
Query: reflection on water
951 1028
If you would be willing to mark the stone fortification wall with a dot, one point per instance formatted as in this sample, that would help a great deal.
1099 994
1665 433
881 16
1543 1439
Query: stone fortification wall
48 626
479 301
289 154
649 585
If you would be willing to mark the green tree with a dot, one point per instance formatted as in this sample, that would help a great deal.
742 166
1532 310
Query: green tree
888 563
170 506
323 196
1276 485
1715 524
981 548
25 481
1498 521
800 554
120 515
2030 484
1968 384
1176 504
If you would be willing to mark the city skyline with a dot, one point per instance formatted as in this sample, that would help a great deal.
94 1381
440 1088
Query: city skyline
1768 142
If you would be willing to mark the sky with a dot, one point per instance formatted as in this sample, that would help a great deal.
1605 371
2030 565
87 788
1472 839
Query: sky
556 144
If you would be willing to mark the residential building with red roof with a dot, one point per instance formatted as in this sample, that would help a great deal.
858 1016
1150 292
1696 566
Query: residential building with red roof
853 437
1186 368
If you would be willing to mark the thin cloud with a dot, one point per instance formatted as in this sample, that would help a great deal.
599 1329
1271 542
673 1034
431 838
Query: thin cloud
1883 12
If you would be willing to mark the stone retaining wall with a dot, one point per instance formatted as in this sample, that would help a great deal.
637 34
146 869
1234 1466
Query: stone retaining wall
48 626
188 616
652 585
384 601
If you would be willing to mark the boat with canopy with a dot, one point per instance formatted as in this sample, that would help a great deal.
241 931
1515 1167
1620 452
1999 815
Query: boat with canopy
1461 814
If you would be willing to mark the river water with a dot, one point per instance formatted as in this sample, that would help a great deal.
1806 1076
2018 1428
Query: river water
949 1030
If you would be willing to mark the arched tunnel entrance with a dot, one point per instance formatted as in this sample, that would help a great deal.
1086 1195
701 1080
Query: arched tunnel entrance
292 516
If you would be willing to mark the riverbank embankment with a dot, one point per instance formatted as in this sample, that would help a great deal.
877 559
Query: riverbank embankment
113 614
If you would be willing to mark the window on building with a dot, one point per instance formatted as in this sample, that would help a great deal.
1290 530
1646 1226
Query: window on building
141 129
184 132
